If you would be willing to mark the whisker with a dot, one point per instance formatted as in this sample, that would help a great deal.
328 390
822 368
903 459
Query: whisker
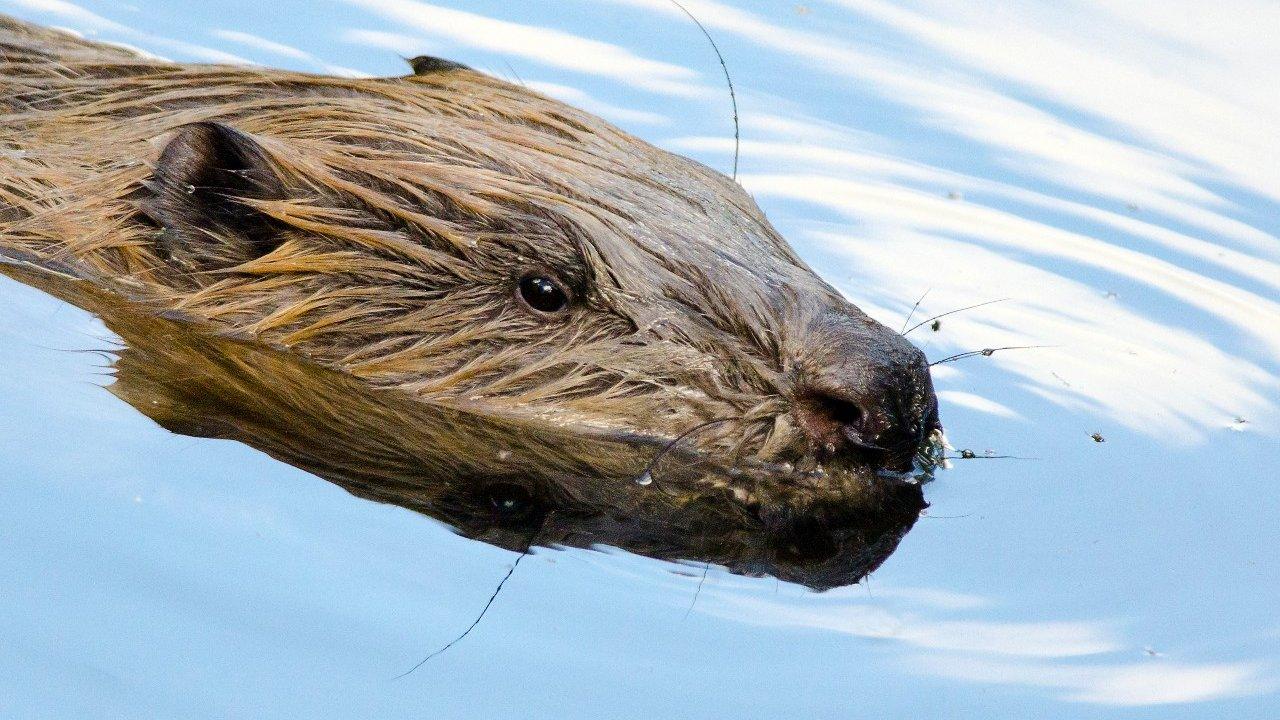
646 477
986 457
912 314
705 569
733 97
986 352
953 312
528 548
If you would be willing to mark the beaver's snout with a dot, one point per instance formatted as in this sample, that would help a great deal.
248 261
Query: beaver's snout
863 392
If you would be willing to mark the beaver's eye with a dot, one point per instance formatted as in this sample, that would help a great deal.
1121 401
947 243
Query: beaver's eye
543 294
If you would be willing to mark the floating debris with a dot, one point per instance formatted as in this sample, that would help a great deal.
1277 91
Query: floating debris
955 195
936 325
1097 437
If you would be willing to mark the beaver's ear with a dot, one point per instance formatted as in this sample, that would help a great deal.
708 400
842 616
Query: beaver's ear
201 193
426 65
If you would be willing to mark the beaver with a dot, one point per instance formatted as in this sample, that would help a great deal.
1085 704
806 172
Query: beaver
453 242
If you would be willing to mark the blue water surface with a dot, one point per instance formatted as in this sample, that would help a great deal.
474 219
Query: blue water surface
1109 167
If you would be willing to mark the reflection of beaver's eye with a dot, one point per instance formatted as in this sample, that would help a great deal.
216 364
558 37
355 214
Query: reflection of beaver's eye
543 294
509 503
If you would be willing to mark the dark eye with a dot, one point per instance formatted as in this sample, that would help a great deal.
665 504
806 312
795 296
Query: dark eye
543 294
510 504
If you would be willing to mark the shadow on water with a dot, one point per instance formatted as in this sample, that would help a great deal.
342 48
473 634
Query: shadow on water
508 482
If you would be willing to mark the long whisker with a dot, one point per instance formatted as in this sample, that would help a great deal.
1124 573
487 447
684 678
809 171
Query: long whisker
705 569
953 312
646 477
528 548
986 352
913 311
733 97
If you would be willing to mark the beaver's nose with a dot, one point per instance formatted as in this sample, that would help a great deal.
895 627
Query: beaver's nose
863 392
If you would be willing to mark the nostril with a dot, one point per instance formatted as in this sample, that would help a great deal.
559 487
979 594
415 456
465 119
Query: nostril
842 412
831 422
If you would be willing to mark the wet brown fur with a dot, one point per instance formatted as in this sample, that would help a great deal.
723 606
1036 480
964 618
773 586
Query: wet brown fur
410 208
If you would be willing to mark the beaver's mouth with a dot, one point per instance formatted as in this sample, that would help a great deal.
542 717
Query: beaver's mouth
810 478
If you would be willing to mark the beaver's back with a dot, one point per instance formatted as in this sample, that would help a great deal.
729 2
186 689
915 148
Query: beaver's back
43 71
24 42
33 59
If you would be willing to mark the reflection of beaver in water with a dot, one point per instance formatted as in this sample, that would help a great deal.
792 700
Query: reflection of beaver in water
480 248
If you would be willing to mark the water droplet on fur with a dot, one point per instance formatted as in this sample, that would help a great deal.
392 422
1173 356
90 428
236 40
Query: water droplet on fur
504 454
645 479
190 189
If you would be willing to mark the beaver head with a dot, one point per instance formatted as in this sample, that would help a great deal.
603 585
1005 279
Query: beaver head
483 248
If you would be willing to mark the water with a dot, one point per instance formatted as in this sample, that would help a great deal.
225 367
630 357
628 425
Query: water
1111 169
